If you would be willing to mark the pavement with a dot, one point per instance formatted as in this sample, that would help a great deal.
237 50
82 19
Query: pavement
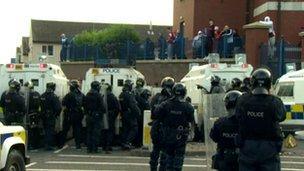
71 159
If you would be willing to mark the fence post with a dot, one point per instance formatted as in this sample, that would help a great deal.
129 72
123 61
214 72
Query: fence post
225 45
302 46
281 57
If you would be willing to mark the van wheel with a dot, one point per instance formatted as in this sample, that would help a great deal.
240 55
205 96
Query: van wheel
15 161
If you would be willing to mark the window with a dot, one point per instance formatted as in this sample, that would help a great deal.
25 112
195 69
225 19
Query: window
50 50
44 49
35 82
286 90
120 82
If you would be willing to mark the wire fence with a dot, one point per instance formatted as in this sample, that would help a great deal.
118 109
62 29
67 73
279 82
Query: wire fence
128 52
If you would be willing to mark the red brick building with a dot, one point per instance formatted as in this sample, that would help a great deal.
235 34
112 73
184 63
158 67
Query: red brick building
193 15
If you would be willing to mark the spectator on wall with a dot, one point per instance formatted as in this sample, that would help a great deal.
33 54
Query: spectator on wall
170 41
271 34
197 45
64 49
210 36
162 46
217 36
179 46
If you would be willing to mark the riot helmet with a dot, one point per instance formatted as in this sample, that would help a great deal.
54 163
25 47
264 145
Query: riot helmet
231 98
146 94
29 85
14 85
167 82
246 82
236 83
11 80
51 86
74 85
108 87
95 85
179 90
215 80
261 81
140 82
128 85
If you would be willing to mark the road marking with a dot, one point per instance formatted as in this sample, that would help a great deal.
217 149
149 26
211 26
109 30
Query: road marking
291 162
114 163
291 169
58 151
118 157
31 164
293 157
68 170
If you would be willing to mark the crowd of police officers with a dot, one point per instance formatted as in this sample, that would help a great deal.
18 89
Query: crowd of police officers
248 138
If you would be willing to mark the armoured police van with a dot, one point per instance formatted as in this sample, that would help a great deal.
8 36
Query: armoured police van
13 154
199 77
290 89
39 74
113 76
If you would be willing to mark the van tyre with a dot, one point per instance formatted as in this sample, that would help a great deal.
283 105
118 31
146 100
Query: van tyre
15 162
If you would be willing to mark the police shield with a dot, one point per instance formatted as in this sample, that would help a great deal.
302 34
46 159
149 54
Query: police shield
213 108
105 103
25 93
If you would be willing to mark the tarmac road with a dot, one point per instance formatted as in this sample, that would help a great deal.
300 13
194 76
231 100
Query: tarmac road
70 159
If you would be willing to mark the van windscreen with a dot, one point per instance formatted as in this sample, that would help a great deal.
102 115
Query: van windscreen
286 90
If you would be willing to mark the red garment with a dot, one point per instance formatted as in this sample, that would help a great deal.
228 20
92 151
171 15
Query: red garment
217 34
171 38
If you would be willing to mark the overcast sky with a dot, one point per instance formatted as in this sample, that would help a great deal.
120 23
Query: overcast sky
15 16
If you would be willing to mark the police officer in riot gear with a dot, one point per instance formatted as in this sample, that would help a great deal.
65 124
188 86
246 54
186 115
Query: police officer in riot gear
259 114
73 113
235 84
13 104
130 113
142 98
113 111
167 84
176 116
246 87
224 133
33 118
216 88
94 109
50 110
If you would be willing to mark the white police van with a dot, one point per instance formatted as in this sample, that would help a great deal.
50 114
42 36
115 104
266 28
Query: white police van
112 76
289 88
201 76
13 155
39 74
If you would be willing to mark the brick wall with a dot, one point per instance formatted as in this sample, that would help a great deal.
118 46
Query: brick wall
154 71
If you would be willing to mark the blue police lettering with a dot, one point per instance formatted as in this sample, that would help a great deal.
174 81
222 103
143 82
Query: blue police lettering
255 114
111 70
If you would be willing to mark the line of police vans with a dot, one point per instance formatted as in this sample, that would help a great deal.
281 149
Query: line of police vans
288 87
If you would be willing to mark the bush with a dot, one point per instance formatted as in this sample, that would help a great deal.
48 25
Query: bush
115 34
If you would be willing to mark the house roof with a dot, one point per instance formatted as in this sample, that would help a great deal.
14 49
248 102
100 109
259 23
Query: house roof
44 31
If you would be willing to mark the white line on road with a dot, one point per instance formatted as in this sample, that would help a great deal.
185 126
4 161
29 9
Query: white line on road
291 169
293 157
114 163
68 170
292 162
31 164
58 151
118 157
